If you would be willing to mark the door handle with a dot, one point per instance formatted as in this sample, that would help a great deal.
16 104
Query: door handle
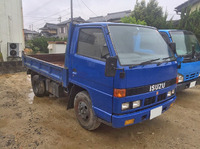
74 72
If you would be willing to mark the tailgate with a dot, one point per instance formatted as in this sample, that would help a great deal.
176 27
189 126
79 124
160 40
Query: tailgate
49 70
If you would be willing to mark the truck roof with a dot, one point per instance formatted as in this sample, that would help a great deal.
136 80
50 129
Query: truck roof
169 30
111 23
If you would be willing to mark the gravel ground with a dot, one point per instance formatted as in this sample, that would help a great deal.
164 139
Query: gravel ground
28 122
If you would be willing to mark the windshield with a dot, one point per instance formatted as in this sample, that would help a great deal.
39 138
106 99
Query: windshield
135 45
184 42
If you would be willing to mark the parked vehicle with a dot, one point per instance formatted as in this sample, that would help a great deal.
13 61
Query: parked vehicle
113 73
188 53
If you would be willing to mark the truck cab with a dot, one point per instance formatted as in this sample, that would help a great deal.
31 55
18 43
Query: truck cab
117 74
188 56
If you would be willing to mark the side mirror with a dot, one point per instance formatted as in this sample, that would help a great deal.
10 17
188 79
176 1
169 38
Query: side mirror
111 65
172 45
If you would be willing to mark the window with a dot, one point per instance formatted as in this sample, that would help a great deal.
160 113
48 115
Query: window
137 44
92 44
62 30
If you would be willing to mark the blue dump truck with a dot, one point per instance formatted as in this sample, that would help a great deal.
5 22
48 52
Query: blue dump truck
116 74
188 56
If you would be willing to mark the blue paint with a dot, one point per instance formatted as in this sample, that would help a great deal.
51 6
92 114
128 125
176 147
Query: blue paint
89 74
189 70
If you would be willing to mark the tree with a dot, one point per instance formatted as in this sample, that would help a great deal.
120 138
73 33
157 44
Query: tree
151 13
139 11
40 44
132 20
190 21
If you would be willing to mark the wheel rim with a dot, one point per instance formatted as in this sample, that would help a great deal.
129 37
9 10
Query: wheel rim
83 111
37 86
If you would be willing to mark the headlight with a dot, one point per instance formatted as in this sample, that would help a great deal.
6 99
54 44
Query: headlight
136 104
169 94
125 106
199 75
180 78
173 92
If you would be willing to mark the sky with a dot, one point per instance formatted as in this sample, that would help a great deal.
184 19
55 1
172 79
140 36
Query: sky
38 12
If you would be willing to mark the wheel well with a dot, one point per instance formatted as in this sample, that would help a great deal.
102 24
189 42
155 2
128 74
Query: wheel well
74 89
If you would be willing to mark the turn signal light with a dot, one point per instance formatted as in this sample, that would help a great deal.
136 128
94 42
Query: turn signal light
119 93
177 80
128 122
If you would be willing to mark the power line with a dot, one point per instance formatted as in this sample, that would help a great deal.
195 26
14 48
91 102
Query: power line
37 25
88 7
49 16
41 6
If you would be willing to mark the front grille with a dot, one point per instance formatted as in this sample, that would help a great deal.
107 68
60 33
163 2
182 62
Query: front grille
191 76
146 89
149 101
162 97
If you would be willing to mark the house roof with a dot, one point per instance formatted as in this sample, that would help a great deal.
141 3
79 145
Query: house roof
97 19
49 26
185 5
26 31
110 16
77 20
118 15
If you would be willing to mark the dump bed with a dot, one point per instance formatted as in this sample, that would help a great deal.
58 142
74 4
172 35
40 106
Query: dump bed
48 65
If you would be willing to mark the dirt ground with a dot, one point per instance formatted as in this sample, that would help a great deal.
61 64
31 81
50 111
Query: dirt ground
28 122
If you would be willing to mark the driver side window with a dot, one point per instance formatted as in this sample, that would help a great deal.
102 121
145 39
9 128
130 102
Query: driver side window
91 43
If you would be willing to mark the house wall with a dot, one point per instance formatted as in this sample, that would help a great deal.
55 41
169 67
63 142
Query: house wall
62 35
11 25
196 6
30 36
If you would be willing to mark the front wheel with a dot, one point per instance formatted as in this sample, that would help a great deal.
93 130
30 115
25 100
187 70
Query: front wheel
84 112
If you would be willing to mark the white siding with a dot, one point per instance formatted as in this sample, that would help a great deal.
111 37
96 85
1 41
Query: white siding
56 48
11 25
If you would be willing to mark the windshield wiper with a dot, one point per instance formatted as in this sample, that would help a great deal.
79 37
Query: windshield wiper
167 58
146 62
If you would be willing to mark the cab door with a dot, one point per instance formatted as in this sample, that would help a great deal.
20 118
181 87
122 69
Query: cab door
88 69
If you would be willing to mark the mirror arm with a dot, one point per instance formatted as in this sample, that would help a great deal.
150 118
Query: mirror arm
120 69
122 74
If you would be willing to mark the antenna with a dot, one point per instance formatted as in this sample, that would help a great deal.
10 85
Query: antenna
72 11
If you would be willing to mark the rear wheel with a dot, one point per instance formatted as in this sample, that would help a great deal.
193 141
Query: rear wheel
38 85
84 112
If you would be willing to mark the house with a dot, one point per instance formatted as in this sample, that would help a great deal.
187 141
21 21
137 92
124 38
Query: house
30 35
11 30
63 27
97 19
49 30
111 17
116 17
194 4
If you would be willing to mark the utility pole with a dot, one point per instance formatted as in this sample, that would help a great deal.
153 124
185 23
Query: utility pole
60 19
72 11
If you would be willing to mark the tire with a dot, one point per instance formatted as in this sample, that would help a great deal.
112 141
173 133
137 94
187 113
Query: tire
84 112
38 85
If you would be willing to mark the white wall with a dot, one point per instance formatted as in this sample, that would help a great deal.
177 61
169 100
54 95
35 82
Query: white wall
56 48
11 25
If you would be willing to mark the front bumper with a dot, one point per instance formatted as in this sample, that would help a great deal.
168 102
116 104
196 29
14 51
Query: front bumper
118 121
185 85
